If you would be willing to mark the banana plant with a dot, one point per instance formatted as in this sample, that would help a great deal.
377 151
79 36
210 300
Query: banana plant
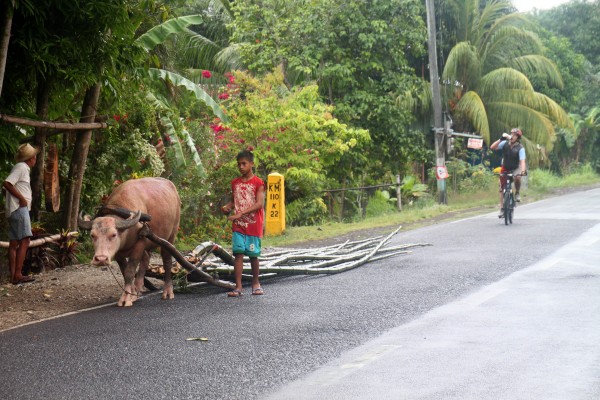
173 136
158 35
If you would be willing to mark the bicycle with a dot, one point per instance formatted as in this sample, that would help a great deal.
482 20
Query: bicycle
508 199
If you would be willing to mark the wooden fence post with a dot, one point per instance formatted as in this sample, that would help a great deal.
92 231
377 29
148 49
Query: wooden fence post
399 192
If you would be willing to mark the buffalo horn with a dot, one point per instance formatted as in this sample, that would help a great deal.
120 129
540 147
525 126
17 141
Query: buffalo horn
128 223
84 223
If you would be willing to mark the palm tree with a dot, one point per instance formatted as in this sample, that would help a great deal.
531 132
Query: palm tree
586 133
488 70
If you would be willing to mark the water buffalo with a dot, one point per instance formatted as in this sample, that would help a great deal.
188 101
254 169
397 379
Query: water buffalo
116 237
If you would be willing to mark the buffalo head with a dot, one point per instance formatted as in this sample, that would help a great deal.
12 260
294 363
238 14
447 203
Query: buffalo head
106 234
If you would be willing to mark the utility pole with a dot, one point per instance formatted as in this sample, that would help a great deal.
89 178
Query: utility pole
439 128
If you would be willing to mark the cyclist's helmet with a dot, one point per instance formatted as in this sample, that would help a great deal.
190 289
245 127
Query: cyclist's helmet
516 131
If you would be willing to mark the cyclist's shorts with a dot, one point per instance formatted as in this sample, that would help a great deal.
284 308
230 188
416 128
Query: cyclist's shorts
503 178
247 245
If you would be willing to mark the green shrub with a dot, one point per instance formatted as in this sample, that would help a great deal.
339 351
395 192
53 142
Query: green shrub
380 204
306 211
477 178
412 190
578 175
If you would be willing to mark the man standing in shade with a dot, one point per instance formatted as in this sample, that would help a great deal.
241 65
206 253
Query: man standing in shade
18 203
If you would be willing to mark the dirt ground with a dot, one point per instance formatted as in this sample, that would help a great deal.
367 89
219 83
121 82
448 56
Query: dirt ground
78 287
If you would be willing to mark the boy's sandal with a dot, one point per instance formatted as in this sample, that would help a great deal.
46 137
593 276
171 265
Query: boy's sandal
234 293
258 291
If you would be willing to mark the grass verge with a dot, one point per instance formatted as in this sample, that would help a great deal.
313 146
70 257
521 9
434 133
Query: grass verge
539 184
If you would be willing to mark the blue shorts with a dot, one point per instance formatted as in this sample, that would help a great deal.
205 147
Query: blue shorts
247 245
19 224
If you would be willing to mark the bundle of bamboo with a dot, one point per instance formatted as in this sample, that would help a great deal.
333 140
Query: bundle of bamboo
210 259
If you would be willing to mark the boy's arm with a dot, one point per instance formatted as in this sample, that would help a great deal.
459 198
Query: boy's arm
12 190
226 209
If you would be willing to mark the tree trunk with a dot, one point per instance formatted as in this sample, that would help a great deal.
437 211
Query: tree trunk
39 140
51 179
5 25
79 158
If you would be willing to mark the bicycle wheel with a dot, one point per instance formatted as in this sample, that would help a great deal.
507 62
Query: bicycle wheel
506 204
511 208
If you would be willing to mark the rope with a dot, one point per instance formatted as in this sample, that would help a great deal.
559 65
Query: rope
119 283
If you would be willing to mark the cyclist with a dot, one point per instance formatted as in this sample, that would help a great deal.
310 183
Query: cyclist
513 160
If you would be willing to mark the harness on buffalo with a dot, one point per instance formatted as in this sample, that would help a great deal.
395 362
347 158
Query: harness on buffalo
103 211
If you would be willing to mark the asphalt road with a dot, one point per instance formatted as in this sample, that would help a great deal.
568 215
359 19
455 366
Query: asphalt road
488 311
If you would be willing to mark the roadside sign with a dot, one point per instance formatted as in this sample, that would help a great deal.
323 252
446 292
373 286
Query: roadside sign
475 143
275 215
441 172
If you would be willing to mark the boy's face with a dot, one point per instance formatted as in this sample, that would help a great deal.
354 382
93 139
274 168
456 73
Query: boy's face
245 166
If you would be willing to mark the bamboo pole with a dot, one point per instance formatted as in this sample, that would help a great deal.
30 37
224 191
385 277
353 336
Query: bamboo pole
44 240
302 263
55 125
147 233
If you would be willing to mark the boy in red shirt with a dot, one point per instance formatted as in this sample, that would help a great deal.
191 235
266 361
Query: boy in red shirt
247 202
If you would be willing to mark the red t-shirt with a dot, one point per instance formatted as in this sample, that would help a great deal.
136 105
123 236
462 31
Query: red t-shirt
244 196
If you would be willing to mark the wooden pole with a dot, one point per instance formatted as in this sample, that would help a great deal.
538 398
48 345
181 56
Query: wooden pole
5 24
399 192
147 233
56 125
79 157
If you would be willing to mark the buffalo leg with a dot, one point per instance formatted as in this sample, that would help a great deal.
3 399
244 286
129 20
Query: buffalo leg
141 273
129 293
122 261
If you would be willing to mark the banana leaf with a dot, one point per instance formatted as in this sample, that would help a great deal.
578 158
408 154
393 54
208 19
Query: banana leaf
200 94
161 32
174 142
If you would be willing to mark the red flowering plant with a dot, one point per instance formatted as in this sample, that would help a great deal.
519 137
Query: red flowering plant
231 89
292 133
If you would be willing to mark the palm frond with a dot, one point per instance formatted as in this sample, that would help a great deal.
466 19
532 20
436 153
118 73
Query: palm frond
418 99
473 108
195 40
462 64
538 64
535 101
508 42
229 58
554 111
199 51
501 79
488 18
502 20
161 32
536 126
200 94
